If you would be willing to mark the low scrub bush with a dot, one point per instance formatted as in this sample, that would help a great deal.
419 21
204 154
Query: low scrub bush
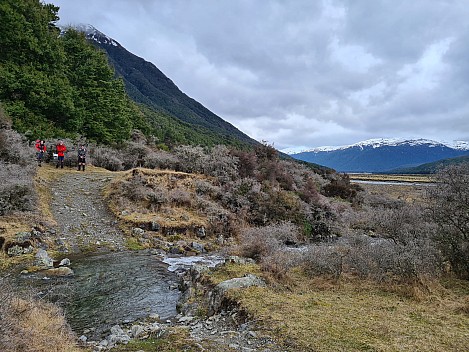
14 148
107 158
16 189
134 155
324 260
180 197
160 159
261 242
380 260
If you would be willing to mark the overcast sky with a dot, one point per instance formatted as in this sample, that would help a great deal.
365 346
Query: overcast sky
305 73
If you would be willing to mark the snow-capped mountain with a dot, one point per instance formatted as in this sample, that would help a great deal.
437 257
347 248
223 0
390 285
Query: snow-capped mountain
93 34
381 155
382 142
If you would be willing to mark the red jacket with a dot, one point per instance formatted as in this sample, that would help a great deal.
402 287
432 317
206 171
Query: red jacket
40 147
61 149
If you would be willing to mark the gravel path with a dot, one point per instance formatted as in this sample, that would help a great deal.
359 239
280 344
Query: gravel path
84 222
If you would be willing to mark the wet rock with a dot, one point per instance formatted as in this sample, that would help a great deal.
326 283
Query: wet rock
23 236
17 250
175 250
117 336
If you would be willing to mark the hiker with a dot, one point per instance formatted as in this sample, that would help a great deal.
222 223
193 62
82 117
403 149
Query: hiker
61 149
41 149
81 157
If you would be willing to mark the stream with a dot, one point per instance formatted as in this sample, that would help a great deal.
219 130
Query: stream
109 289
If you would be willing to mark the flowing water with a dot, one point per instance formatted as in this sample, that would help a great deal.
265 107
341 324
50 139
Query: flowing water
109 289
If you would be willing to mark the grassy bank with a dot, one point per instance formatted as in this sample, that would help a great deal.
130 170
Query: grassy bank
319 315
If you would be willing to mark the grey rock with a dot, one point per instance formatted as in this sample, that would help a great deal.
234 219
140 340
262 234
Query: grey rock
200 232
154 316
175 250
137 330
198 247
154 226
43 259
22 236
15 251
221 289
28 250
240 260
137 231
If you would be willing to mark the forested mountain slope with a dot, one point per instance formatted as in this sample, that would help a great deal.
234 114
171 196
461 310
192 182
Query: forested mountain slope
146 84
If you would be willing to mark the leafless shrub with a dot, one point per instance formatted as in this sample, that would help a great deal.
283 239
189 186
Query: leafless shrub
260 242
221 164
160 159
134 155
247 162
203 187
192 159
403 224
381 260
16 189
324 260
180 197
107 158
279 262
14 148
449 208
221 221
385 260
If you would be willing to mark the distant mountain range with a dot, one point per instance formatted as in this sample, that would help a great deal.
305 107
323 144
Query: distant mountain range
383 155
147 85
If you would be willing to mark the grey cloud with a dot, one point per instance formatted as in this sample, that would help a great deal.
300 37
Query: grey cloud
307 72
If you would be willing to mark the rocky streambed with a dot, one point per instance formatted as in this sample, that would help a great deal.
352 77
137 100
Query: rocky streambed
111 298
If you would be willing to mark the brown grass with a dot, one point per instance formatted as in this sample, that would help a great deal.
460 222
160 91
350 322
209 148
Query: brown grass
168 215
35 327
397 178
312 315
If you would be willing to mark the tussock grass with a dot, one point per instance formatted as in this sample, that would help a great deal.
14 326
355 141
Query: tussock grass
146 208
320 315
29 325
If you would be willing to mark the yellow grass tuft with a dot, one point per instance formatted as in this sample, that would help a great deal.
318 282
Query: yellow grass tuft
36 327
